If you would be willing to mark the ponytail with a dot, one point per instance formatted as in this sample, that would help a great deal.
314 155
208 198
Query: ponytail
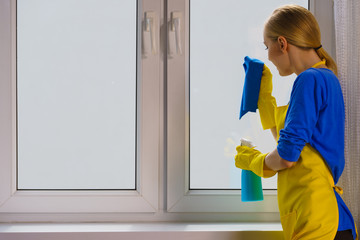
330 63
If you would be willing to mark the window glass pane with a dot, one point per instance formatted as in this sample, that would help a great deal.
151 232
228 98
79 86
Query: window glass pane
76 81
222 33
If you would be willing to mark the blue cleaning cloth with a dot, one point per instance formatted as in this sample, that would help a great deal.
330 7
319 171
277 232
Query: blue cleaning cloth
253 73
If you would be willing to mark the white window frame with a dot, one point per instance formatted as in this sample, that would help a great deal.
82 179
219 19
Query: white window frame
163 118
144 199
180 197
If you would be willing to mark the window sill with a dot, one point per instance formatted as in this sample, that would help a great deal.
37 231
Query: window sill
109 231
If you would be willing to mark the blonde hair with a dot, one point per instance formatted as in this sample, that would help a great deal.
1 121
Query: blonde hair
300 28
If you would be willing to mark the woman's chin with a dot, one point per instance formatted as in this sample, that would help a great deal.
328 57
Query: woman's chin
284 74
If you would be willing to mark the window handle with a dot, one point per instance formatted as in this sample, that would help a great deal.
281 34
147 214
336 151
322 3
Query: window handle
174 34
149 34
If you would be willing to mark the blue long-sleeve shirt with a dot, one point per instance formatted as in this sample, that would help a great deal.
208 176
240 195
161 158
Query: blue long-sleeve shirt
315 115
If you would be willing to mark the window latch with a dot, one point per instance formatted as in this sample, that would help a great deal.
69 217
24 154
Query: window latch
174 34
149 34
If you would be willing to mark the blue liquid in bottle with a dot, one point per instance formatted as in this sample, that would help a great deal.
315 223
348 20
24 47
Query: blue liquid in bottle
251 187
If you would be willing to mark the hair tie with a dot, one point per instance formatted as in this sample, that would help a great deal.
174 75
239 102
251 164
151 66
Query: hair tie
317 48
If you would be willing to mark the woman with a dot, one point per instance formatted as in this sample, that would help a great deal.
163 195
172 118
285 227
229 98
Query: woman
309 157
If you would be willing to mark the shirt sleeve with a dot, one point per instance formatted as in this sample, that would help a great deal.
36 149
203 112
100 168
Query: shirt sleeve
306 102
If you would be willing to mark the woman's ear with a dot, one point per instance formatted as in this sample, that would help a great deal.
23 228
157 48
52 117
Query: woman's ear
283 44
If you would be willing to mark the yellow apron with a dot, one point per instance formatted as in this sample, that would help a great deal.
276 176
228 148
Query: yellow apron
307 202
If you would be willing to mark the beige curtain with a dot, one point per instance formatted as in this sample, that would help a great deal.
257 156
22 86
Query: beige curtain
347 35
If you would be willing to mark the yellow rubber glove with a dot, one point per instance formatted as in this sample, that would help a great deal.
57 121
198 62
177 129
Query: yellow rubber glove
251 159
266 102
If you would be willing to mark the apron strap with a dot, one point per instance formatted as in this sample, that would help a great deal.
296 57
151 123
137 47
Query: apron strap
339 190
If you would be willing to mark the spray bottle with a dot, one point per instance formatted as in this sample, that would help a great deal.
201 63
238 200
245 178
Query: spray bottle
251 187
